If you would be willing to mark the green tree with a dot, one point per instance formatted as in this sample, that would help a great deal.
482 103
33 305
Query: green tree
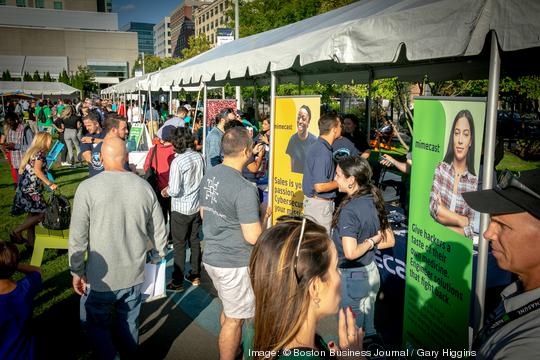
84 80
47 77
64 77
36 76
27 76
262 15
6 76
154 63
196 45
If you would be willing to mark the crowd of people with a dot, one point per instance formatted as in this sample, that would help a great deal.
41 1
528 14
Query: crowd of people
275 282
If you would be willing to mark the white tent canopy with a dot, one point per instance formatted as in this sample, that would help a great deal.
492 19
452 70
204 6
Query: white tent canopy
152 80
37 88
371 39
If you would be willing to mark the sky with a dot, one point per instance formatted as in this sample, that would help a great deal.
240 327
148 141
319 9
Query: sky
149 11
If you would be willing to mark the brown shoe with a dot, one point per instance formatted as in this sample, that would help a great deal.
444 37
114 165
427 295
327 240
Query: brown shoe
195 280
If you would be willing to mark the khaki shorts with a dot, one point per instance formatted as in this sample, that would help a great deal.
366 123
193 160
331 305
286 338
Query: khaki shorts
234 290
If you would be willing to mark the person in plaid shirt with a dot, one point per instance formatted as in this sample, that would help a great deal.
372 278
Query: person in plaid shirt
454 176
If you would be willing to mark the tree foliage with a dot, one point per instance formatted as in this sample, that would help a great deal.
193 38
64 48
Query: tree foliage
6 76
84 80
36 76
27 76
154 63
64 77
196 45
47 77
261 15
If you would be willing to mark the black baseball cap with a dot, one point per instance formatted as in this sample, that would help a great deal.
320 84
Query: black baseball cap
514 193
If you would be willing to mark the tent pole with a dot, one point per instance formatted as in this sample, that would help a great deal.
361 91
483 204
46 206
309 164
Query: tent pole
197 106
151 124
273 81
223 93
487 183
255 101
368 106
170 100
205 114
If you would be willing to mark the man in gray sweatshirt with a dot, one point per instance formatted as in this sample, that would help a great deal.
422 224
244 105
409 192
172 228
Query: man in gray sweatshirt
115 216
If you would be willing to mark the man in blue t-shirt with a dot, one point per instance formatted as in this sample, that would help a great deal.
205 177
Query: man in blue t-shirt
115 126
318 183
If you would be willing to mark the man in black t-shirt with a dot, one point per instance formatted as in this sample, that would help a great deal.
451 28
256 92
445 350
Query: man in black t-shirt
89 147
300 142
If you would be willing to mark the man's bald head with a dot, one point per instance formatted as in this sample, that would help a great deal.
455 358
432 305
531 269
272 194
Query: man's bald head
113 153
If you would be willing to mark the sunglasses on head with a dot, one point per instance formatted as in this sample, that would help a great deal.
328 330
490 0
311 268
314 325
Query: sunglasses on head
297 219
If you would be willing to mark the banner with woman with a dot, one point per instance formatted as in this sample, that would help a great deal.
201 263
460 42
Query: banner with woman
446 155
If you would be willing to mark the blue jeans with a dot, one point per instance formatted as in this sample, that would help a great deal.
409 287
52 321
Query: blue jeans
359 288
104 313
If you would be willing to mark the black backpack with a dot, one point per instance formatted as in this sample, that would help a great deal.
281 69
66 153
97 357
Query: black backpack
58 213
41 116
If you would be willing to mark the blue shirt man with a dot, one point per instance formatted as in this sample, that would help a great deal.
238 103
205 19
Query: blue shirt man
318 182
213 154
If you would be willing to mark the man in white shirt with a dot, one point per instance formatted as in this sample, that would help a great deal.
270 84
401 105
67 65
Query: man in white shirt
134 112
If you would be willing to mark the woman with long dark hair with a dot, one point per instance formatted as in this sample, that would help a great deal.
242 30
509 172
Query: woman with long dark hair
359 227
454 176
296 282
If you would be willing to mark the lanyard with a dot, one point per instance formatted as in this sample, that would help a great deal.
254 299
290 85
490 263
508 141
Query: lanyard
502 320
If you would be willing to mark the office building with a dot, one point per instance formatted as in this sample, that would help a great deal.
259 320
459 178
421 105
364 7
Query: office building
162 38
75 5
49 39
145 35
212 16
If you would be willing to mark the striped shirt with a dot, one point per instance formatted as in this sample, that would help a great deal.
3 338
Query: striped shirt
443 190
185 177
16 137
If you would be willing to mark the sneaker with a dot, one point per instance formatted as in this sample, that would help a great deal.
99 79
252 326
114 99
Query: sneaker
195 280
65 163
175 287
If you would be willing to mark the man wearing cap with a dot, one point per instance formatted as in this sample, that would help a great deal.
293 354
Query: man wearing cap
513 330
213 154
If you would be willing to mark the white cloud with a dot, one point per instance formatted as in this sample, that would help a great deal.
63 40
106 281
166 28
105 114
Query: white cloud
127 7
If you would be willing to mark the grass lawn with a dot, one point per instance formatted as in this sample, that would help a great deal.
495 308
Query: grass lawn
515 163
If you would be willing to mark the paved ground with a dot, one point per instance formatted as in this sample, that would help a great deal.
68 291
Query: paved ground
181 326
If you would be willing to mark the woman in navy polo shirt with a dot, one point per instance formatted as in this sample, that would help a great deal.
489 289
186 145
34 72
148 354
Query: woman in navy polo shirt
360 226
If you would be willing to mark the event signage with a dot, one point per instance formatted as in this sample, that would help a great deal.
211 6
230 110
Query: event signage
295 130
446 151
224 35
135 135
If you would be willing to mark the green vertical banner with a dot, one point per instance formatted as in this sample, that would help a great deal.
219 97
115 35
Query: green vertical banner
446 151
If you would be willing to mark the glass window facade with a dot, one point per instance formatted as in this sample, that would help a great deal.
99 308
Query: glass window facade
21 3
58 5
40 4
119 71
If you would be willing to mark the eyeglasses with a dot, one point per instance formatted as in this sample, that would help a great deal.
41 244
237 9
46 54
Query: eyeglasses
304 220
508 180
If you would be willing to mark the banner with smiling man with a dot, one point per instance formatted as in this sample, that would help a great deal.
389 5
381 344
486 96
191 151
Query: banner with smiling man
295 129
